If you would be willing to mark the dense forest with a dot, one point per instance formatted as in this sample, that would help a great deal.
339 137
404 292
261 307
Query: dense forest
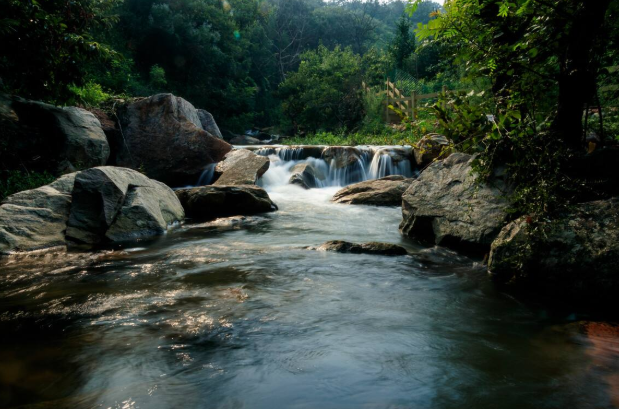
239 60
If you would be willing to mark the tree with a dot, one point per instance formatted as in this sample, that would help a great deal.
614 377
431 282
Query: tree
44 45
403 45
324 94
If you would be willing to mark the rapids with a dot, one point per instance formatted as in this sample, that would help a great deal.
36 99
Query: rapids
236 313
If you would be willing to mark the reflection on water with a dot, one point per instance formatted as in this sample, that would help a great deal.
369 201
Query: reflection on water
236 314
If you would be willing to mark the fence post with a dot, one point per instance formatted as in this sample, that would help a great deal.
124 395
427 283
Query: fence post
414 105
387 102
445 96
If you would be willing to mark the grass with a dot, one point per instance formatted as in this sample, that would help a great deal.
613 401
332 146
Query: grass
353 139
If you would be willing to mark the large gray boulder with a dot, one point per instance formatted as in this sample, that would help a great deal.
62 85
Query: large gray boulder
210 202
445 205
36 219
431 147
113 204
45 137
208 123
240 167
162 136
386 191
306 176
572 255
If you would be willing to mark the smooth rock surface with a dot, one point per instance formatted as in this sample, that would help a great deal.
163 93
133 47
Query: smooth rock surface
446 206
163 137
385 191
36 219
306 176
210 202
429 148
339 157
385 249
208 123
572 255
240 167
44 137
111 203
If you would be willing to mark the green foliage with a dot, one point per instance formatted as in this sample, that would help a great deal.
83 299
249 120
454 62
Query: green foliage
324 94
89 95
403 45
387 137
157 77
16 181
44 45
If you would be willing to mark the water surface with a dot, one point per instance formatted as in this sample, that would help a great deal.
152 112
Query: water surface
238 314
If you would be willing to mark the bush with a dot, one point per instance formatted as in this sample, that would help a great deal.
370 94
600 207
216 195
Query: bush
90 95
14 181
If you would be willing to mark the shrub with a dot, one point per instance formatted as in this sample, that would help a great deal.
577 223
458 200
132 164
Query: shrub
14 181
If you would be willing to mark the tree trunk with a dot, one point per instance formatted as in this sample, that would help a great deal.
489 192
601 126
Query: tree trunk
577 79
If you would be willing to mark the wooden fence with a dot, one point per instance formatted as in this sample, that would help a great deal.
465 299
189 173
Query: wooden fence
403 103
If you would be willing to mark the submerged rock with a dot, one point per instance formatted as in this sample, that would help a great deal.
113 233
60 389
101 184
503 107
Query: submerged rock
55 139
36 219
245 140
112 204
429 148
210 202
306 176
575 255
163 136
386 191
208 123
385 249
446 206
240 167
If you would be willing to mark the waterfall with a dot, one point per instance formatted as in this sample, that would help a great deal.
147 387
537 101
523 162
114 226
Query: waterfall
336 166
207 175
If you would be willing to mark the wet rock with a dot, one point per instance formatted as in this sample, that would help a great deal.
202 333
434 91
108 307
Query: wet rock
36 219
445 205
300 152
208 123
112 204
210 202
44 137
572 255
386 191
339 157
429 148
245 140
306 176
163 137
240 167
397 155
385 249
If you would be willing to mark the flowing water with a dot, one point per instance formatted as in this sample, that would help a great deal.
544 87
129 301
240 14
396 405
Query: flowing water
236 313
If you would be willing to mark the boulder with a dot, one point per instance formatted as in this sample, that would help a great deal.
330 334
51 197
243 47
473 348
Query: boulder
385 249
306 176
208 123
430 148
163 137
245 140
210 202
240 167
446 206
36 219
572 255
386 191
113 204
339 157
44 137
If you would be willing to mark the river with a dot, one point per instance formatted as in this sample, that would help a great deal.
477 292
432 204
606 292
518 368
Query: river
237 313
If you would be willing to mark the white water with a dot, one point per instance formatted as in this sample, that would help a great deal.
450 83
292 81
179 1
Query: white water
370 163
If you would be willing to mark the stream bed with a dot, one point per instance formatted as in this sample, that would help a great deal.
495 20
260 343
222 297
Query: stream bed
236 313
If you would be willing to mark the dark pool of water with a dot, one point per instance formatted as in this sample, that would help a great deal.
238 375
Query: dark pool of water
228 316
